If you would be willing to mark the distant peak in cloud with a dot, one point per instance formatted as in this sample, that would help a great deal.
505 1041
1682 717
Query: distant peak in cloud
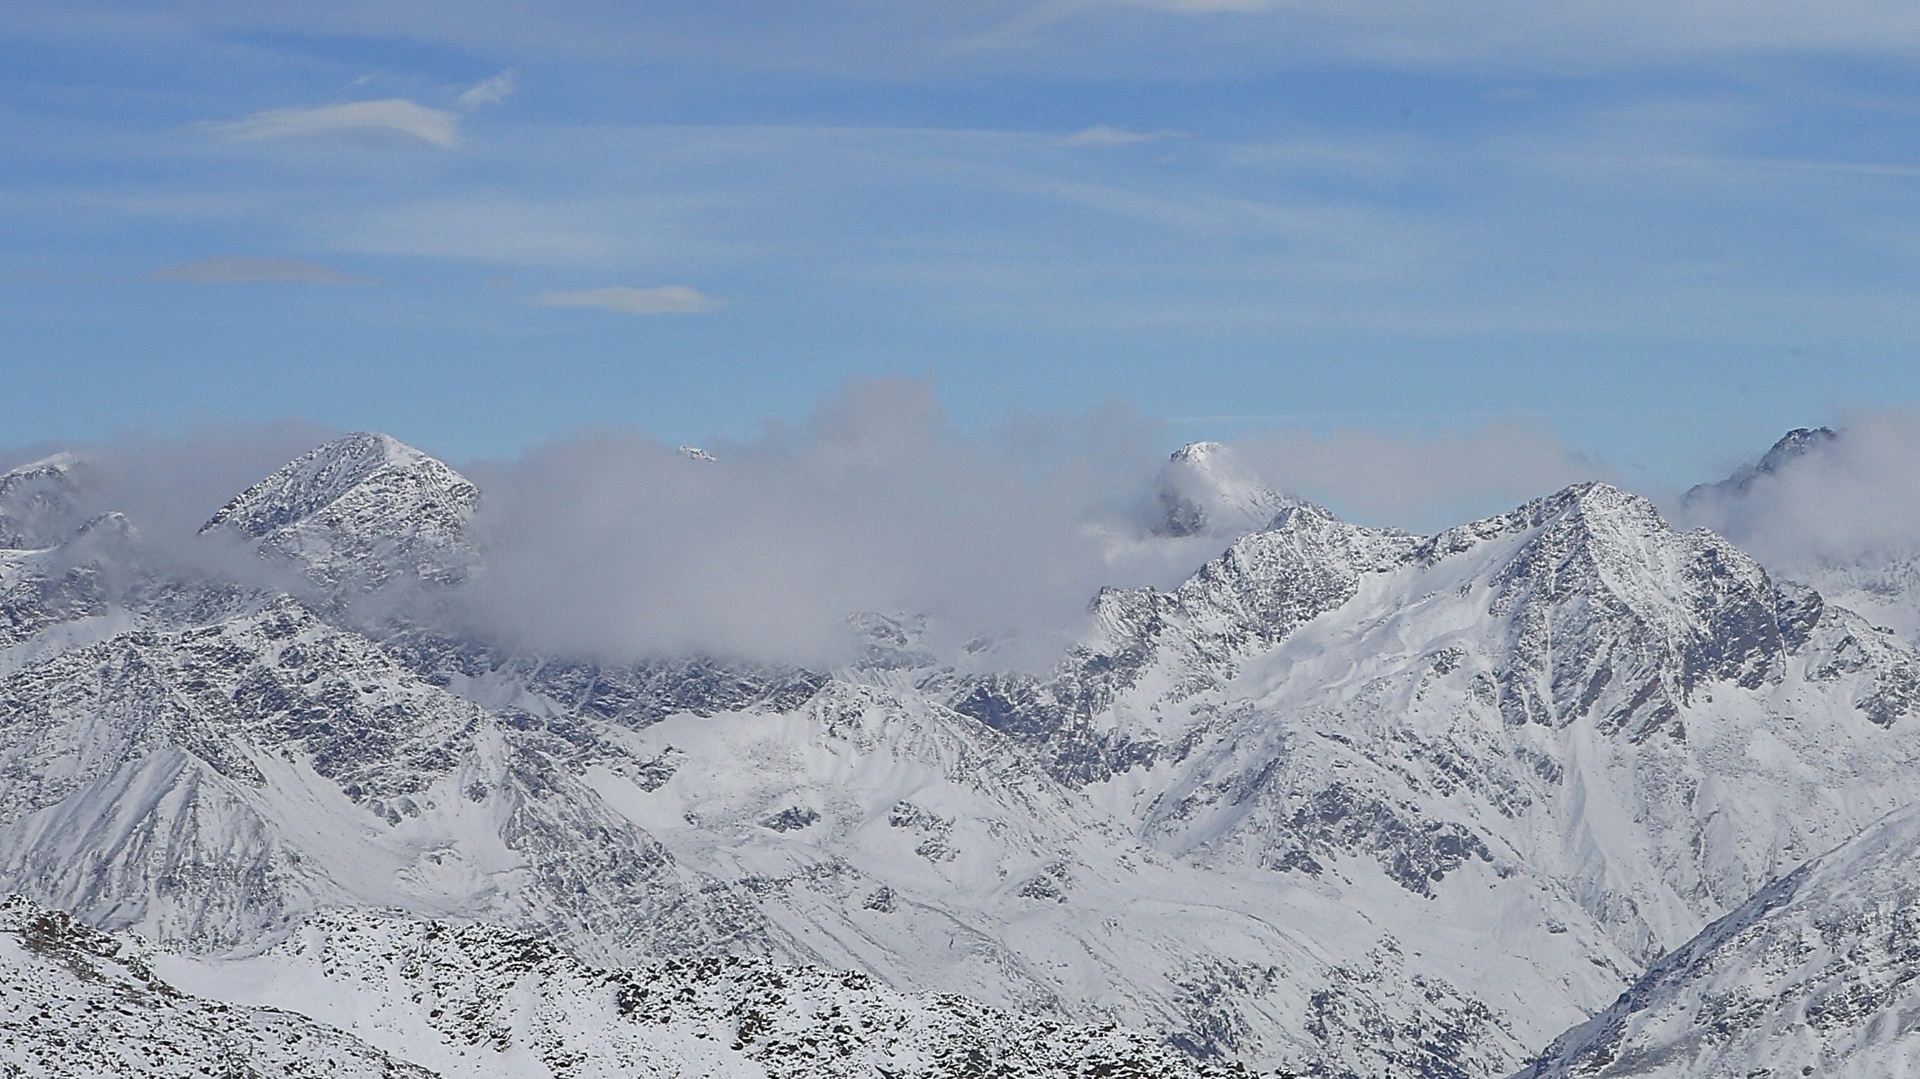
489 92
246 270
392 116
1104 135
664 300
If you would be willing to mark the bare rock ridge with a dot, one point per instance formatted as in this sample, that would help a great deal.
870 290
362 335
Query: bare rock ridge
392 994
1345 802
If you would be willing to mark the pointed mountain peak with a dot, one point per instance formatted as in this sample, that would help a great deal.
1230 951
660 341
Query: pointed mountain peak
1204 489
1201 452
39 501
1795 443
364 465
357 511
1590 507
1792 446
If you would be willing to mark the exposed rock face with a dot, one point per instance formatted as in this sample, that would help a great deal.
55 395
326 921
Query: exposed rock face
469 1000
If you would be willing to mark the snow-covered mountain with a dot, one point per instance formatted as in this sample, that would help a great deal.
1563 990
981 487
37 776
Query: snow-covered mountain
470 1000
380 995
1792 446
1203 489
1796 503
1347 801
358 513
37 502
1818 974
78 1002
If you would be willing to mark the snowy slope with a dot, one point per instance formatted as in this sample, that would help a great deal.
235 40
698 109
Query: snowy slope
76 1002
470 1000
1818 974
208 785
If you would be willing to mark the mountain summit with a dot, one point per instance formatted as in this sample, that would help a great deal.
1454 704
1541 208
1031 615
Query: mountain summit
38 502
1204 489
357 512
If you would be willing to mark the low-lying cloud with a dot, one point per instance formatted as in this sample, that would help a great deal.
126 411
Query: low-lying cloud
618 546
1854 499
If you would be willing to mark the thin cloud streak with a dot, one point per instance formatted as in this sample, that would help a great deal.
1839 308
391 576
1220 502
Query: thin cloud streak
393 116
664 300
246 270
1105 135
490 92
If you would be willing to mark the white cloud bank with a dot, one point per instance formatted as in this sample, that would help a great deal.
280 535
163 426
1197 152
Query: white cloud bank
664 300
390 117
1852 500
616 545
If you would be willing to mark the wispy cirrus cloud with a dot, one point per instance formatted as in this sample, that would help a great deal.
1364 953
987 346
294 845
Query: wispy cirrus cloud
489 92
1104 135
664 300
247 270
389 117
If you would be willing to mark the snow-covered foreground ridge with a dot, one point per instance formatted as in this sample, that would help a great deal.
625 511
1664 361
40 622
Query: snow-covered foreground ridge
386 995
1819 974
1346 802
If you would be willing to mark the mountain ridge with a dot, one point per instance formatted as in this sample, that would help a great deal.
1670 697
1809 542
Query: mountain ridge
1345 800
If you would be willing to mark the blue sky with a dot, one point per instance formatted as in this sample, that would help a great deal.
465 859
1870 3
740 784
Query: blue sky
1663 232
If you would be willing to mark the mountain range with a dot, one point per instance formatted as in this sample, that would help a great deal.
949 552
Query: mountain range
1564 791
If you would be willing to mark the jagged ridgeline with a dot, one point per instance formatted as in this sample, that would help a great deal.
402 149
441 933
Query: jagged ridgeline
1346 802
